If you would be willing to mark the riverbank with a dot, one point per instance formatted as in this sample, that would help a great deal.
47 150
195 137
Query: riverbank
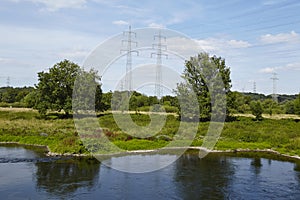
244 153
61 137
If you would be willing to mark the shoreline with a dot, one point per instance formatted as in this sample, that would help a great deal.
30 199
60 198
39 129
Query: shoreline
53 154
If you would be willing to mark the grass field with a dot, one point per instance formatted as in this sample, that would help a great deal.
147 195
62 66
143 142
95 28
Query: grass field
27 127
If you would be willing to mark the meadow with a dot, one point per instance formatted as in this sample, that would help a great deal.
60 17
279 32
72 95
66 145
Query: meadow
26 126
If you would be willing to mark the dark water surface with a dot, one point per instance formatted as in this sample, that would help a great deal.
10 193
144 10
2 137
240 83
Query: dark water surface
27 174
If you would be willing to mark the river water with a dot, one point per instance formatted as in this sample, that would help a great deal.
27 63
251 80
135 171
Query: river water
27 174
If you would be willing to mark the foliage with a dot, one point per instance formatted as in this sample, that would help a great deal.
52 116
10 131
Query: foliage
27 127
238 102
289 107
204 74
12 95
269 105
30 99
87 92
55 88
297 105
189 107
256 109
106 100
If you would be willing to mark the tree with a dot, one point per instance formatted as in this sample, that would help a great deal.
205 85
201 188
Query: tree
208 76
269 105
30 99
188 102
297 105
87 93
256 109
289 107
238 103
12 95
106 100
55 88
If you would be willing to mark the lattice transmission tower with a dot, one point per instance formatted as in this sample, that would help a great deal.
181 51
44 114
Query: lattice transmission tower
159 48
128 77
274 79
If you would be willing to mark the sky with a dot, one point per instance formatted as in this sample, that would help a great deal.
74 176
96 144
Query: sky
256 38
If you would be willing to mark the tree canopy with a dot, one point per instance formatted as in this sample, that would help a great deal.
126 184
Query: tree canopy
208 76
55 88
257 109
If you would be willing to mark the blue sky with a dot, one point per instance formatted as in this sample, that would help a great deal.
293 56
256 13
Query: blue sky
256 38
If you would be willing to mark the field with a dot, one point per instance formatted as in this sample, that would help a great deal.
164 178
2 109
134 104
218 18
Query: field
28 127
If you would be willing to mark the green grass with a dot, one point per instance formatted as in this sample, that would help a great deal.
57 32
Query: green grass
27 127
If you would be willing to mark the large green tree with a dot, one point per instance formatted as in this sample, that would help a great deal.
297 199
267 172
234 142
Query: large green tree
55 88
209 77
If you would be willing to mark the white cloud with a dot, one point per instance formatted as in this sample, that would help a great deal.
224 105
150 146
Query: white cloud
5 60
281 37
218 46
292 66
155 25
272 2
213 45
288 67
54 5
74 54
268 70
238 44
120 22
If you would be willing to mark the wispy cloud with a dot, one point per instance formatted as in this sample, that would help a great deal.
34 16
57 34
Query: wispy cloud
77 54
54 5
5 60
220 45
268 70
120 22
217 46
272 2
279 38
155 25
288 67
292 66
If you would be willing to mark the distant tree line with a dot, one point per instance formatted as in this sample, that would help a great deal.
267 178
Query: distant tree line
10 96
54 92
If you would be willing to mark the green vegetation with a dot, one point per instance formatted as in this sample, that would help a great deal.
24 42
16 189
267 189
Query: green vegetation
27 127
55 88
54 98
256 109
208 77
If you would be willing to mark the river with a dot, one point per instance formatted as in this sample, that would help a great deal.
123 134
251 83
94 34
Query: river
26 173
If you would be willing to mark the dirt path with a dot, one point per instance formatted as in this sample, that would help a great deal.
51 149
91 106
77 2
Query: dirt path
275 116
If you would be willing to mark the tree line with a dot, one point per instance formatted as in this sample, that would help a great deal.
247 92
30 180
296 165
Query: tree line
54 92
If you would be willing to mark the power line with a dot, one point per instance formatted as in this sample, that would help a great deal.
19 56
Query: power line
159 46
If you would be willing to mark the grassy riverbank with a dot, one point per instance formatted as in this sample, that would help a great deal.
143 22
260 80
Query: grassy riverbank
27 127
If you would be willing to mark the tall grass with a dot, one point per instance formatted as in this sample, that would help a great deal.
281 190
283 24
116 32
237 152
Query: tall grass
61 136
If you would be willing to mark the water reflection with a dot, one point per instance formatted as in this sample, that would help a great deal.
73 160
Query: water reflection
256 164
65 177
207 178
217 176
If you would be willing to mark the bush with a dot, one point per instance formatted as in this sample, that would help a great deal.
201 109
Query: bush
256 109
